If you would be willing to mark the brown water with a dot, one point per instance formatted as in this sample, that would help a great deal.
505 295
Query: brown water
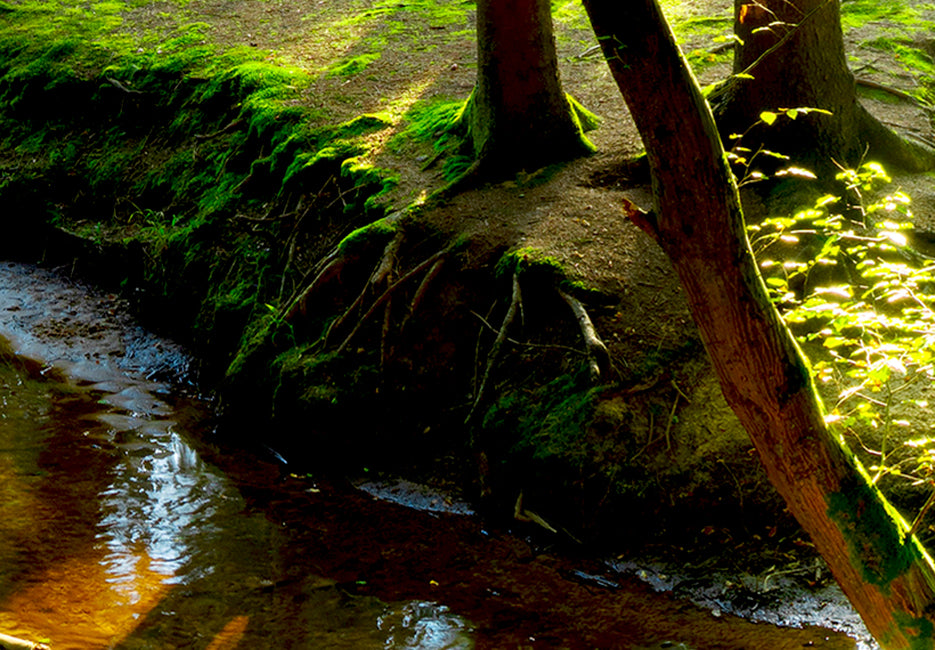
121 528
118 530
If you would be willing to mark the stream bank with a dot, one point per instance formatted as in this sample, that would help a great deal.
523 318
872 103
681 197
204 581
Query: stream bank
202 191
208 185
197 543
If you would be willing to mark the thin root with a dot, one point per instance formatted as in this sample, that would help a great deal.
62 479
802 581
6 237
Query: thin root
492 358
385 296
377 278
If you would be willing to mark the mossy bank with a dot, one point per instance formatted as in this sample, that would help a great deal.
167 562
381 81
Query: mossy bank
341 330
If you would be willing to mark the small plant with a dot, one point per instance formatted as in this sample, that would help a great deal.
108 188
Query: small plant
862 301
745 158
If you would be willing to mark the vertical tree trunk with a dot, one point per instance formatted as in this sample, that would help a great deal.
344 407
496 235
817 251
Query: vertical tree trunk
794 49
519 115
807 68
886 574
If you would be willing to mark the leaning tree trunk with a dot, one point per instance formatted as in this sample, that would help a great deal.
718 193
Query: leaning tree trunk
794 50
884 571
519 116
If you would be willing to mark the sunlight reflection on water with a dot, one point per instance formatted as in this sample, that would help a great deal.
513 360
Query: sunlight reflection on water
143 544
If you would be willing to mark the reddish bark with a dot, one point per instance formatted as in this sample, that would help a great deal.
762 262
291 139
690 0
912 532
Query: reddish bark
886 573
519 114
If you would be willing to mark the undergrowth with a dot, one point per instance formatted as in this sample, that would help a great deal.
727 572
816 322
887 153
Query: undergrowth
862 302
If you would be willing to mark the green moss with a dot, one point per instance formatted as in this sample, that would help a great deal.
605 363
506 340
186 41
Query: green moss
378 232
534 260
325 386
182 156
918 630
550 421
874 531
534 263
909 56
433 121
570 13
585 120
856 13
354 65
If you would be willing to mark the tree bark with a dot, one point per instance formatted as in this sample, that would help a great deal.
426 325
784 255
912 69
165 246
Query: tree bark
519 116
886 573
794 50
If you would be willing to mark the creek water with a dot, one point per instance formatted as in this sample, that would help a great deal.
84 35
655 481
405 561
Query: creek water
123 525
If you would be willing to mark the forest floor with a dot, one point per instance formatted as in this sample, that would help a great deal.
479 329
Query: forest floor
371 56
396 59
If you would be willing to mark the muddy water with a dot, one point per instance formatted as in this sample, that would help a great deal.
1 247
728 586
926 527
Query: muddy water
123 526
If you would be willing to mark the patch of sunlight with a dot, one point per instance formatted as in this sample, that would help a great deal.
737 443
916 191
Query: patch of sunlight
397 107
400 105
232 634
341 35
78 603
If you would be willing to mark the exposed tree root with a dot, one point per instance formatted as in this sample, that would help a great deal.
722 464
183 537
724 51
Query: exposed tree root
895 92
469 179
385 348
385 296
231 126
598 357
419 295
495 351
904 151
330 268
379 277
526 344
521 514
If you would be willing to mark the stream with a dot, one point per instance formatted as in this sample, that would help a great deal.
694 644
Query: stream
124 524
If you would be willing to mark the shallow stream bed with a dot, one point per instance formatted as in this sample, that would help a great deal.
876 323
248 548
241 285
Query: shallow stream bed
123 524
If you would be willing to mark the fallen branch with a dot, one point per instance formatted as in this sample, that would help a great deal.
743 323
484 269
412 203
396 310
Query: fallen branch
598 357
12 643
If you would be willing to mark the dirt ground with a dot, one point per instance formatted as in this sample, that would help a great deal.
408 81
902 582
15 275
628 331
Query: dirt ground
572 214
575 215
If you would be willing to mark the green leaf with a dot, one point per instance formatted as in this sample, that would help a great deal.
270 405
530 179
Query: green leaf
769 117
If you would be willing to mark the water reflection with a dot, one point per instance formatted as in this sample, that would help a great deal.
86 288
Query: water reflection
115 532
